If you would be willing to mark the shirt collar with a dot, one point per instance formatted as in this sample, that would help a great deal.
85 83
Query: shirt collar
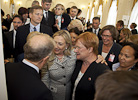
32 27
31 65
73 18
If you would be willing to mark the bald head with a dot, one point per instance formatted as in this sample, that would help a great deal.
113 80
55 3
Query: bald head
38 47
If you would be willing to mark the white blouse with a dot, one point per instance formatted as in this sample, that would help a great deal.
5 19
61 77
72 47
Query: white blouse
76 83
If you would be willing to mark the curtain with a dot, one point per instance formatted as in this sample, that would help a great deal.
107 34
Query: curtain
112 14
100 12
87 17
134 16
92 15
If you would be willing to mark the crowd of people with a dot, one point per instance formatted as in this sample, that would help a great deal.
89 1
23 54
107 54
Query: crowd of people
50 55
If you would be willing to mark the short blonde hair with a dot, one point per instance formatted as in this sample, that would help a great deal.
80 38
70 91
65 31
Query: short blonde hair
134 39
89 39
65 34
75 23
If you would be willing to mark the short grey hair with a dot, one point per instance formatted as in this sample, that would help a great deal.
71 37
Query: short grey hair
38 47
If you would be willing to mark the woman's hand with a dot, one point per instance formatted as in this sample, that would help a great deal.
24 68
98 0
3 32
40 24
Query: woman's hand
101 59
56 25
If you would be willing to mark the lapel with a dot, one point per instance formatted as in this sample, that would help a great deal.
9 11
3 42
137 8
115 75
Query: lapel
27 29
41 28
10 38
88 75
62 21
77 69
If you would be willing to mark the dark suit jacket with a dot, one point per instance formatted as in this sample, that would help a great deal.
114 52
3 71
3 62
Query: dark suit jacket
134 31
9 44
85 89
99 36
23 83
65 20
50 21
22 33
115 50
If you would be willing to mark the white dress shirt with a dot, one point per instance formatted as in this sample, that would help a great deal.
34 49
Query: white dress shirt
14 37
31 65
32 27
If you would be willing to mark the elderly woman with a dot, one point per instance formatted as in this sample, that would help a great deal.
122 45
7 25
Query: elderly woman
128 57
124 35
75 23
61 65
107 47
62 19
86 70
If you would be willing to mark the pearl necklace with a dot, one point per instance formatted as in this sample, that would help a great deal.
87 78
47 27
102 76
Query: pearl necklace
60 58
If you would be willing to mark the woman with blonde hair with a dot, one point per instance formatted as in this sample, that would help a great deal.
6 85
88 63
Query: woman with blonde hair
124 35
60 67
133 39
62 19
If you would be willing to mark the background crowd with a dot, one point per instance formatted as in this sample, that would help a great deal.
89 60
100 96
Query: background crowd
67 53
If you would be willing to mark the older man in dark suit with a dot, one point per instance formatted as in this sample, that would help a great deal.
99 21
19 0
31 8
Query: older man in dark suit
36 14
23 80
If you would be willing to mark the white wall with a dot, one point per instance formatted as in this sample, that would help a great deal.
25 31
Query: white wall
3 91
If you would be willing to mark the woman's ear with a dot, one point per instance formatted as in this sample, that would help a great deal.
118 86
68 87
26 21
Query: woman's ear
136 61
90 49
67 46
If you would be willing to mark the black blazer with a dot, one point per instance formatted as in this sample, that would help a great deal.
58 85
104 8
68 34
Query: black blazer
65 20
115 50
99 36
85 89
24 83
22 33
8 47
50 21
134 31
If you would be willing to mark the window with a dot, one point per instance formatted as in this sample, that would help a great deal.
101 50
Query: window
134 16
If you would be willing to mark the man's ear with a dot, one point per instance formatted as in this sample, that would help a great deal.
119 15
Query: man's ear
30 15
42 3
45 59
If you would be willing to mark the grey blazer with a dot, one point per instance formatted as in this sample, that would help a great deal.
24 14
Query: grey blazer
58 76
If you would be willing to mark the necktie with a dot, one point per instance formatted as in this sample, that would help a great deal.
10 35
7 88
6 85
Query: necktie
46 15
35 29
95 31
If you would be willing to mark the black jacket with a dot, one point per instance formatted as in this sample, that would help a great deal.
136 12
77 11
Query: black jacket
23 83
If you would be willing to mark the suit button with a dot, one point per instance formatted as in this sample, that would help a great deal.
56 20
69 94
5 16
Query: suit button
64 76
62 67
64 84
